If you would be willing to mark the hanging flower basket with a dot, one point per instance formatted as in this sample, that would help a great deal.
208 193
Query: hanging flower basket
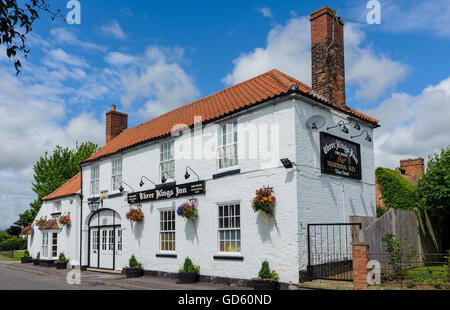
188 210
65 220
264 203
41 222
135 215
29 230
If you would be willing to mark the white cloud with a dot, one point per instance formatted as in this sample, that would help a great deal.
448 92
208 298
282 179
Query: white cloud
412 126
266 12
425 16
155 78
114 29
64 36
288 49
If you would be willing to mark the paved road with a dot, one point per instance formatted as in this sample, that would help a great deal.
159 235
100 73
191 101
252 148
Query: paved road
22 280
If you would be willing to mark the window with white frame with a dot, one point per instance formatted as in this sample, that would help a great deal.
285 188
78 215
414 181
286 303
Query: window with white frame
104 239
167 165
58 206
45 245
95 180
167 230
119 240
229 228
95 237
111 240
116 173
228 145
54 244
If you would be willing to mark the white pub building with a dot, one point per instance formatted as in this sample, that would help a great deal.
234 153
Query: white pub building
271 131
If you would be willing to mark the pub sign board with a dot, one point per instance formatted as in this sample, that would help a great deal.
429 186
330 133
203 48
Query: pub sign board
340 157
170 192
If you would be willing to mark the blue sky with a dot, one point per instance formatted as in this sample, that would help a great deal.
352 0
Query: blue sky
148 57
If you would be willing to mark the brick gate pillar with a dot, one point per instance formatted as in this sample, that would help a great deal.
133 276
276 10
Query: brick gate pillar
360 259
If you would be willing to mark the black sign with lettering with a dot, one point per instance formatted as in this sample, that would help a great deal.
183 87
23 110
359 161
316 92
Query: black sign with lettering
170 192
340 157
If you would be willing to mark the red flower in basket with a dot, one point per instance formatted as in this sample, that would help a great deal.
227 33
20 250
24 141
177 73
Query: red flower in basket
65 220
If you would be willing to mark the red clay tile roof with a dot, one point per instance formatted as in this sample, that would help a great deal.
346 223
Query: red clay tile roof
71 187
256 90
50 224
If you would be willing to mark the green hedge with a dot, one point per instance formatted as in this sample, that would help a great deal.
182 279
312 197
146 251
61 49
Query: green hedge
13 243
396 192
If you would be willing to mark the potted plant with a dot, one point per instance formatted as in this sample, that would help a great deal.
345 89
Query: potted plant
36 261
65 220
62 261
189 273
26 258
135 268
135 215
41 222
188 210
266 279
29 230
264 202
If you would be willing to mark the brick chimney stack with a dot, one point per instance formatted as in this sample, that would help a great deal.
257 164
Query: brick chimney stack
116 122
327 55
413 167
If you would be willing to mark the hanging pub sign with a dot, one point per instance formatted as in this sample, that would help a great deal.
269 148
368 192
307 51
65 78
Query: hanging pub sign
169 192
340 157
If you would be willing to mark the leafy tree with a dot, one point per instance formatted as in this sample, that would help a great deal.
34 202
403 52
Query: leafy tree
16 20
434 192
396 192
52 171
434 188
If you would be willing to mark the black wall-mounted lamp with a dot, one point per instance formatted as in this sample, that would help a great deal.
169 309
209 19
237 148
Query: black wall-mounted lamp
121 189
287 163
142 181
341 124
164 179
368 138
94 203
187 175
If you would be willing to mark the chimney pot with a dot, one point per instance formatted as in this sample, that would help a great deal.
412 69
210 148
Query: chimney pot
113 107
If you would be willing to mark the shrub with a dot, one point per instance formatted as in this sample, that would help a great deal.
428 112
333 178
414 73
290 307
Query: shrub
189 266
38 256
62 258
26 254
266 274
381 211
397 192
401 257
133 263
13 243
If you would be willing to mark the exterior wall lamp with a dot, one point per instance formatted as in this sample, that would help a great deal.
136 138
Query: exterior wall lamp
368 138
187 175
142 181
94 203
121 189
287 163
164 179
341 124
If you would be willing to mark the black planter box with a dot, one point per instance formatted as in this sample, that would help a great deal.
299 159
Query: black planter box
60 265
261 285
133 273
47 263
36 262
26 260
188 277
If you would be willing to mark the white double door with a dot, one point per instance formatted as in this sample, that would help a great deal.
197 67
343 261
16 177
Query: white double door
106 247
